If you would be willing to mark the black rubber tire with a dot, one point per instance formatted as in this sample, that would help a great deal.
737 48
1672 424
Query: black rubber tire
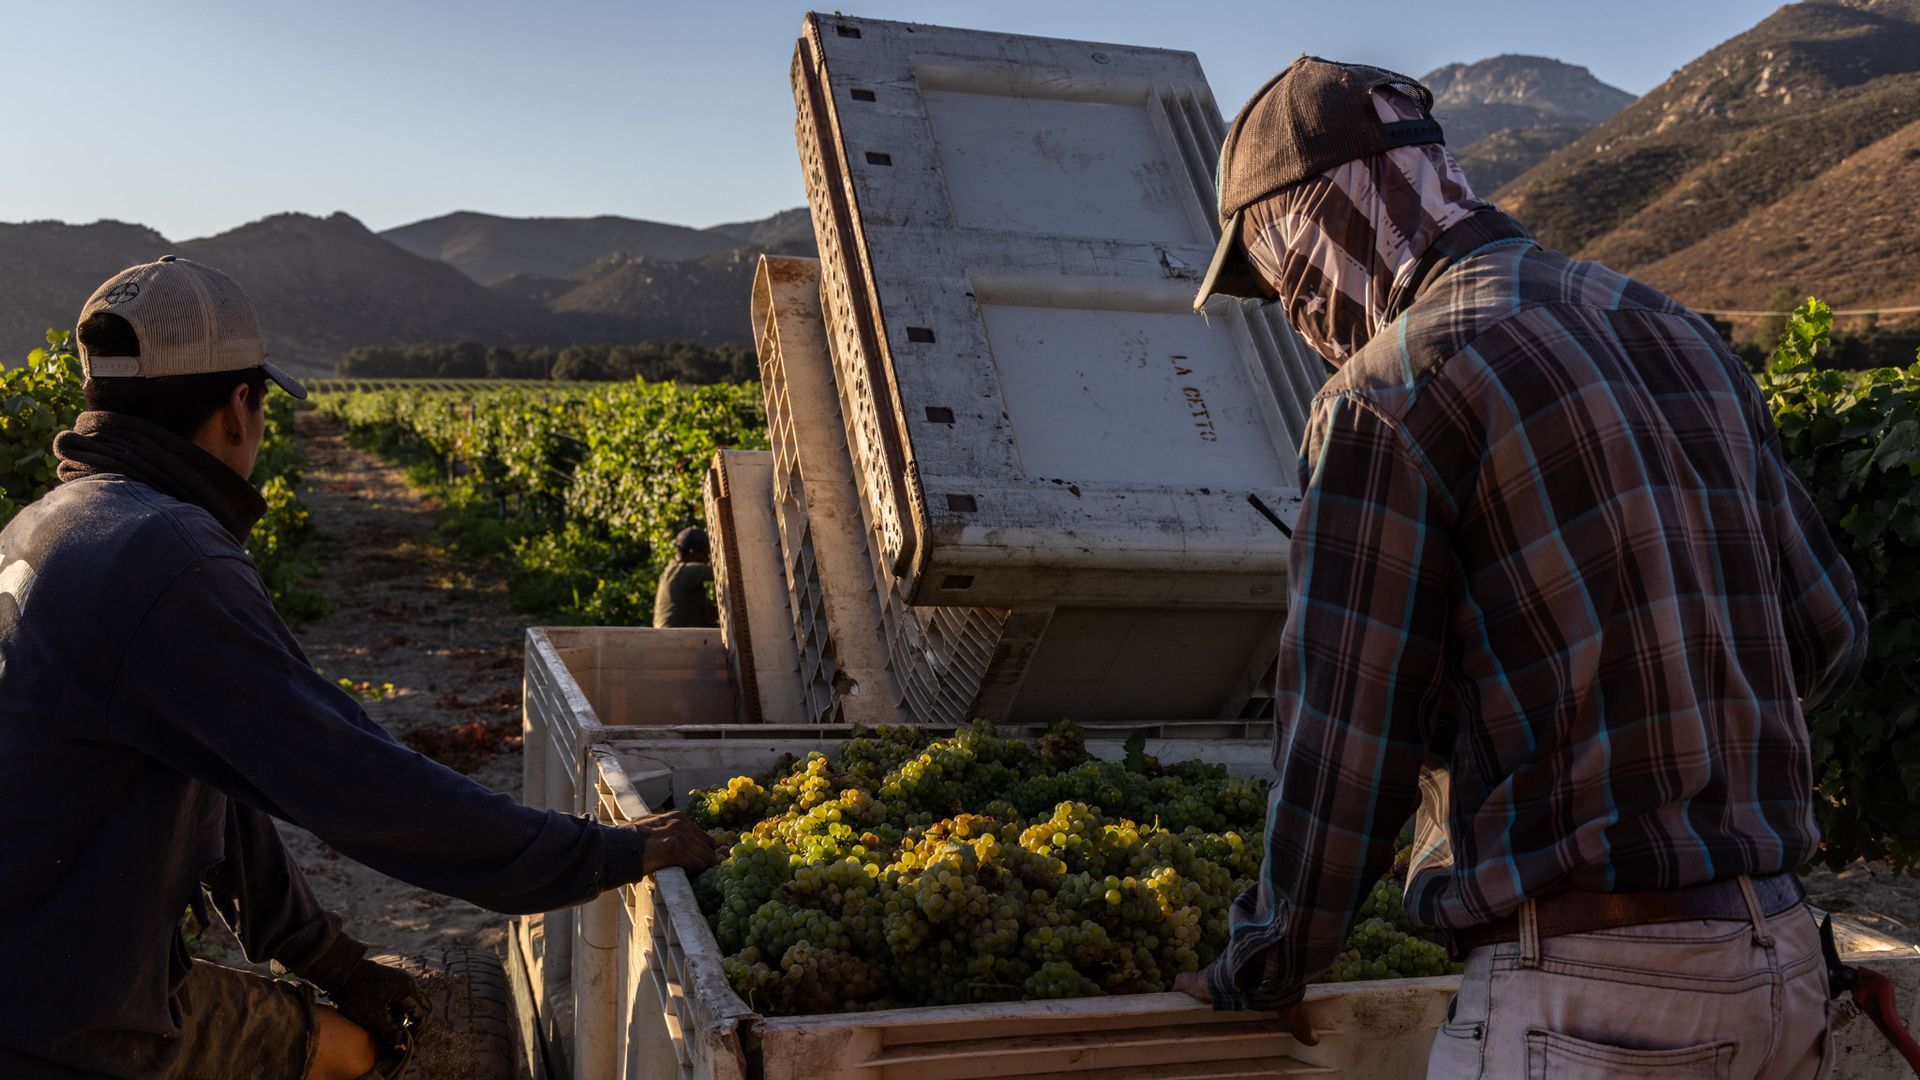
471 1033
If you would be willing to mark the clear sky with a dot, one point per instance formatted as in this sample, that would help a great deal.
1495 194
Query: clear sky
194 116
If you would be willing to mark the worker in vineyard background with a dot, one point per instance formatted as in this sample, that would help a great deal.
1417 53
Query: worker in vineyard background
685 596
156 716
1553 583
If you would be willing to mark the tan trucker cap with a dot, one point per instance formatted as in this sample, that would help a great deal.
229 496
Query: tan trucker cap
190 319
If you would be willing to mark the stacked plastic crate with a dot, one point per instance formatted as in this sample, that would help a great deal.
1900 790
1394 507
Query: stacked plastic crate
845 670
755 618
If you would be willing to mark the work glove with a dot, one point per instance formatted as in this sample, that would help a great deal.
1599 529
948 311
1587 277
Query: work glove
672 839
386 1001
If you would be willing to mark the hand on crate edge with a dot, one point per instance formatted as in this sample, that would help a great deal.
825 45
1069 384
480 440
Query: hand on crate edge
1293 1017
672 839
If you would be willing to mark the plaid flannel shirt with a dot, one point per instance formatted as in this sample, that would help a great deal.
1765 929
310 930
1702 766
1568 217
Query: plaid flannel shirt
1553 582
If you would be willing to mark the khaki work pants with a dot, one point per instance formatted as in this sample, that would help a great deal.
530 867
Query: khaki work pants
1694 1000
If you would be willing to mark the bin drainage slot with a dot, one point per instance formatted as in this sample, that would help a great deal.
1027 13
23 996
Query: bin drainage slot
939 414
922 334
846 31
962 504
875 157
863 95
957 581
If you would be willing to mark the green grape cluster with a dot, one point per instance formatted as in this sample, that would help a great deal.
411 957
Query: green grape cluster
982 868
742 802
1376 949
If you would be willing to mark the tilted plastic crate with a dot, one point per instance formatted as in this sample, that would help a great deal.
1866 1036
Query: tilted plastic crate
953 664
750 586
844 664
1011 231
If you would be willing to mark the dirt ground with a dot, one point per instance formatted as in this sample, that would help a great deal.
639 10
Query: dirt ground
1887 902
402 613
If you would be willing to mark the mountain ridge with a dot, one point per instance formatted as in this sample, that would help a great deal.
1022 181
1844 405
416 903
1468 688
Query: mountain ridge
1783 247
490 248
1784 157
1504 114
326 284
1802 52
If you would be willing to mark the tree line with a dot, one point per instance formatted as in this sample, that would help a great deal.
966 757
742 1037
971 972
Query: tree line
654 361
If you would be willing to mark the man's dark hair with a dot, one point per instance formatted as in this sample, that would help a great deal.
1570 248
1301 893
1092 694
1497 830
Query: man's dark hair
180 403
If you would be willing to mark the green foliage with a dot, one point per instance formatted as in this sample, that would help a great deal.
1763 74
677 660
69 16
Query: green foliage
37 401
41 399
1853 438
581 488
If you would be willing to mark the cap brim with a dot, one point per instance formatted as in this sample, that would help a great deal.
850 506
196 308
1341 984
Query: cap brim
1230 274
285 381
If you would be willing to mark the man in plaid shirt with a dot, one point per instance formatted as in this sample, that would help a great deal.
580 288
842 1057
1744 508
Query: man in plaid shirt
1552 584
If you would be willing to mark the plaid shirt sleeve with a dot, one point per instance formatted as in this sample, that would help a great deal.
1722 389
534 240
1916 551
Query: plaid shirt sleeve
1360 685
1826 627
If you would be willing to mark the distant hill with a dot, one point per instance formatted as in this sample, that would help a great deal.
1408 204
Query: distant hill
702 300
50 269
788 230
1735 132
324 285
1505 114
490 249
1475 100
1851 234
1492 162
487 248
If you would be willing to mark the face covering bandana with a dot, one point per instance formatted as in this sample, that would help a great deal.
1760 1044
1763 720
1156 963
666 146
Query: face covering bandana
1340 247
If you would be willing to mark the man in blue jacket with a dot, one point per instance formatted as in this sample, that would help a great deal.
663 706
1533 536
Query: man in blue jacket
156 715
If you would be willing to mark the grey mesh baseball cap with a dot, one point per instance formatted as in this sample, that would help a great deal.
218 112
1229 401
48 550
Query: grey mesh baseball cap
190 319
1310 118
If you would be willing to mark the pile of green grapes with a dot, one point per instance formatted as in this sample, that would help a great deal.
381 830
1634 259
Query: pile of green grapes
982 868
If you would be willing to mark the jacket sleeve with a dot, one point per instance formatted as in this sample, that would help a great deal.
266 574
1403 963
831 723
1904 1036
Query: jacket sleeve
261 893
1819 602
212 684
1360 677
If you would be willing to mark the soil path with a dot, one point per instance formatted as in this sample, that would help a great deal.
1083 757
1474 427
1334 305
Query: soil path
400 612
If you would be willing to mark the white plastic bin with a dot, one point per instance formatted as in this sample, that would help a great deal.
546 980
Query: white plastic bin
951 664
584 684
651 1000
1011 230
630 986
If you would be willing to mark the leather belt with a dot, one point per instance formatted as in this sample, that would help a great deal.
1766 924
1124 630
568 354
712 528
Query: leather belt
1580 911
